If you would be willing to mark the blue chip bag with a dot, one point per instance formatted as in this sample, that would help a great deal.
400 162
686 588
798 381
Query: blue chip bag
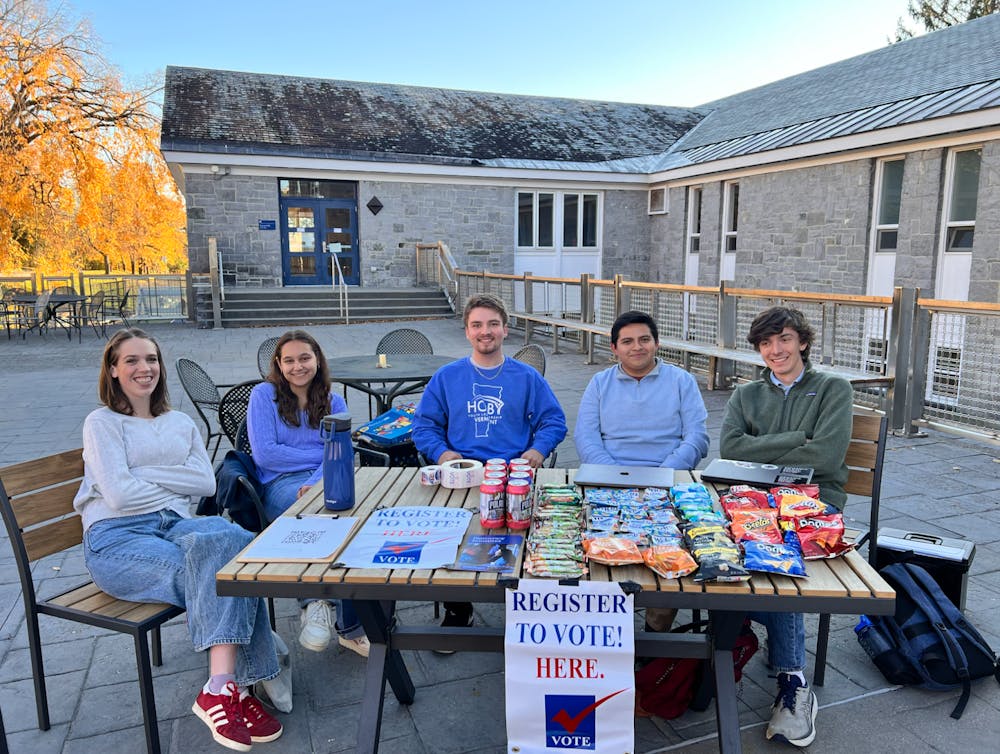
784 558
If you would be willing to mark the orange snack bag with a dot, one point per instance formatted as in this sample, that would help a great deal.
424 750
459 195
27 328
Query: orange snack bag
612 551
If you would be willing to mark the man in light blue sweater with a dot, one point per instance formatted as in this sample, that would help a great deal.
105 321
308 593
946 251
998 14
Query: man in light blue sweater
642 412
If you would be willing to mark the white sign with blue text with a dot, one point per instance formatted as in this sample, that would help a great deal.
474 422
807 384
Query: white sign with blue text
569 654
408 537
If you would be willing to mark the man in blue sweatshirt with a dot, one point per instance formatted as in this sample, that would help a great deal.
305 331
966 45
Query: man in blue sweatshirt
486 406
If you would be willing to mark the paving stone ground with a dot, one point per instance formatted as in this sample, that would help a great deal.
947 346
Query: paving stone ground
938 483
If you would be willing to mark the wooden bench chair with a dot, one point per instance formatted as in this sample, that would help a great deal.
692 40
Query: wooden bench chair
864 461
36 500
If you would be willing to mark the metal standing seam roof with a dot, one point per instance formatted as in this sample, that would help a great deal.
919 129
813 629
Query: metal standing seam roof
980 96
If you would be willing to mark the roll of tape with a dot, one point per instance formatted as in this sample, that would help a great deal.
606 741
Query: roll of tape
430 475
461 473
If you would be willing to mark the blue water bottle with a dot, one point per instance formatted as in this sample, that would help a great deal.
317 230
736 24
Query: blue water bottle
870 638
338 462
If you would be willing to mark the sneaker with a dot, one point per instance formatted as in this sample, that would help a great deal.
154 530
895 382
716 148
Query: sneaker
360 645
262 725
316 619
793 713
223 714
456 619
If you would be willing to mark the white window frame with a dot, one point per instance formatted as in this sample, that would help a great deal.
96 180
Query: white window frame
558 217
730 230
659 201
879 228
693 242
948 225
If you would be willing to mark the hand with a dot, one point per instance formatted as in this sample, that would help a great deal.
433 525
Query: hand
448 455
303 490
534 458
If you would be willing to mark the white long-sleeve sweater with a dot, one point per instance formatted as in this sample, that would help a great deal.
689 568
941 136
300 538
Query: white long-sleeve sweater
134 465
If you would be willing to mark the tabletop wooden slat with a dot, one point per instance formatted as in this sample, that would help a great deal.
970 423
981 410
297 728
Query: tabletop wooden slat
878 586
822 580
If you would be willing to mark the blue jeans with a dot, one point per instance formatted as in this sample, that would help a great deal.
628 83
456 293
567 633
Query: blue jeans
161 557
786 640
279 494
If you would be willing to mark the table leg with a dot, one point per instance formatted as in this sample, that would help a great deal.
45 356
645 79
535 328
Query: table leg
725 627
384 664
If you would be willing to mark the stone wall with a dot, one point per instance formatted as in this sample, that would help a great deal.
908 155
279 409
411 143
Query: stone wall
627 249
919 219
229 207
985 277
477 223
805 229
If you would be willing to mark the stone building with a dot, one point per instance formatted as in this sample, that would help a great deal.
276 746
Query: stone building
876 171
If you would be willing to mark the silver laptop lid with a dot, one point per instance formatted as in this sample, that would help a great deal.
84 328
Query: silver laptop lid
604 475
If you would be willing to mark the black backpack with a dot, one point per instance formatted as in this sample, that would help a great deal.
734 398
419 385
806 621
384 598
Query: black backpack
928 642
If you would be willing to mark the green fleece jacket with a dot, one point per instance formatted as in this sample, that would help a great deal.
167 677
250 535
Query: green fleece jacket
809 427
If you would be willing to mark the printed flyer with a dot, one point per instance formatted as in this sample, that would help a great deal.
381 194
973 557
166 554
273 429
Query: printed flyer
490 552
569 655
408 537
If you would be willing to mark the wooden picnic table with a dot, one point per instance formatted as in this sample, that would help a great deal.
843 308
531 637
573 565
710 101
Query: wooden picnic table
845 585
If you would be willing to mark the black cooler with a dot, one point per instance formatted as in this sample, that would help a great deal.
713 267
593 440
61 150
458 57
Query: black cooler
946 560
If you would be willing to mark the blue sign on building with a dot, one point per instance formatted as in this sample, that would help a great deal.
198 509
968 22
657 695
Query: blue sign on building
267 224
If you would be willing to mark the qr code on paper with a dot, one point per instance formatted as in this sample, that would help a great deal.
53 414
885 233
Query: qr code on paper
301 537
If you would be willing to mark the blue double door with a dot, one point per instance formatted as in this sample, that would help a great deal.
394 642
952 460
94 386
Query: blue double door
318 236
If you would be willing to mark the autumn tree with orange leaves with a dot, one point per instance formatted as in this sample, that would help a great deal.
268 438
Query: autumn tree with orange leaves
81 182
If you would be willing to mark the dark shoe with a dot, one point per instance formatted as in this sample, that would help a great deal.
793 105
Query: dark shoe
456 618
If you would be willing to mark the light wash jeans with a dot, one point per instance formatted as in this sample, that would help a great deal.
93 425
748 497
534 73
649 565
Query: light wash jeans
161 557
279 494
786 640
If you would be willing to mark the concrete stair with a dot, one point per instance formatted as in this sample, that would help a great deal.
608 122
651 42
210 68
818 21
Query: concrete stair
305 305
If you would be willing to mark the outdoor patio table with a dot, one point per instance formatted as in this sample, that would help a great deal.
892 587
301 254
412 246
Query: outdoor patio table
843 585
57 301
403 373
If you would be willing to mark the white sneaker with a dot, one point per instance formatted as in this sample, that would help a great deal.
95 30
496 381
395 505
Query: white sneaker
317 620
360 646
793 715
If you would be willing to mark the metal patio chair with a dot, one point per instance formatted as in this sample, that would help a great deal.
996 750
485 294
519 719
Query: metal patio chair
204 394
265 355
399 341
532 355
233 410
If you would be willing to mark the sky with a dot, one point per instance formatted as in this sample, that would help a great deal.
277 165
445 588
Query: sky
663 52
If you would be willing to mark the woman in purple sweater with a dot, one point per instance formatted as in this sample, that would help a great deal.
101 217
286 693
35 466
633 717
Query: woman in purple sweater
283 425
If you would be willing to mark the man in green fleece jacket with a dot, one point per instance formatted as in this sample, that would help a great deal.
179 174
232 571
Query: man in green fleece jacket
792 416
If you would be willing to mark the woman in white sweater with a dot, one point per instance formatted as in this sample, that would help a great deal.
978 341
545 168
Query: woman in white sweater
143 466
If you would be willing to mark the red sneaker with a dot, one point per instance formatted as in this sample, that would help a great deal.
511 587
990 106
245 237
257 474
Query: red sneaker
223 714
262 725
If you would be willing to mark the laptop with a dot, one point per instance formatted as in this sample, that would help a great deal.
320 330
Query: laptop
748 472
603 475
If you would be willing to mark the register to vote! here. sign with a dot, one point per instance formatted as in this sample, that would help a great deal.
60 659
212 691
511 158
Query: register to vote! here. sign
569 653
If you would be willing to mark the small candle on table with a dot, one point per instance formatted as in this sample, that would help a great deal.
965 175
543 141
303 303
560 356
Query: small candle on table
382 364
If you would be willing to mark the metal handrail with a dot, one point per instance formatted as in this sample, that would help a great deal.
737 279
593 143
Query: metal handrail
341 287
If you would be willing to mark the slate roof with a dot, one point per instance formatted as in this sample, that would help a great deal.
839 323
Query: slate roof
227 111
951 71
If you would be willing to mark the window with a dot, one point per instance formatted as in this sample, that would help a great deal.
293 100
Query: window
658 201
541 214
694 221
890 192
304 187
730 221
963 199
732 217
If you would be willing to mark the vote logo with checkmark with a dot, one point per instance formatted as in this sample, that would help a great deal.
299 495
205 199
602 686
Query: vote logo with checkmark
571 720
